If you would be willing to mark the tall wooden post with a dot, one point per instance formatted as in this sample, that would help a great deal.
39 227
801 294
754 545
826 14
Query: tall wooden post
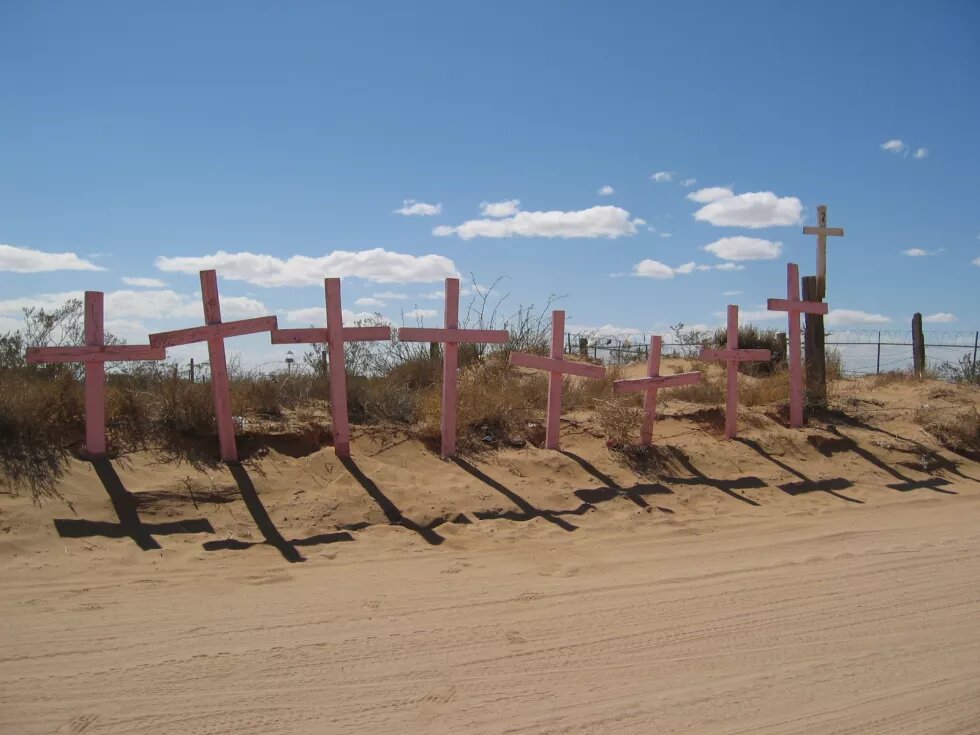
918 346
816 359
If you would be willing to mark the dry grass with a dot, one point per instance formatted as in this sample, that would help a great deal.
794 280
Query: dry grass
618 418
711 391
957 429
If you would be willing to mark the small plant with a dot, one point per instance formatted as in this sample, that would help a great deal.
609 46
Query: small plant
618 418
964 371
956 429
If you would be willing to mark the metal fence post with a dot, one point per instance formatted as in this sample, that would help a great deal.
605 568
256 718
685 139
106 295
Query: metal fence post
878 360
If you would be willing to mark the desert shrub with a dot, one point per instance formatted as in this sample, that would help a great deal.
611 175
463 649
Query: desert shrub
582 393
765 390
834 364
751 337
956 429
711 391
688 342
618 418
963 371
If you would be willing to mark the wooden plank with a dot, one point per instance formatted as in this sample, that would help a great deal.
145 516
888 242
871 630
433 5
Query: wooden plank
303 336
800 307
555 382
795 348
650 397
548 364
731 405
450 360
338 369
95 439
918 346
366 334
815 352
631 385
217 330
219 368
453 336
94 354
825 231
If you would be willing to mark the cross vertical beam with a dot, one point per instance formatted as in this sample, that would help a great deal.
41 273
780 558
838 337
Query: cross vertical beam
219 369
650 385
822 232
794 307
557 367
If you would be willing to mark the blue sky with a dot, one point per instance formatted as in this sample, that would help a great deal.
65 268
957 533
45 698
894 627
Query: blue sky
134 132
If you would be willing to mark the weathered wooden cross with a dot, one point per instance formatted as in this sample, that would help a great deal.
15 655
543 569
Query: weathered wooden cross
451 336
214 332
794 307
557 368
334 336
650 385
733 356
94 355
822 232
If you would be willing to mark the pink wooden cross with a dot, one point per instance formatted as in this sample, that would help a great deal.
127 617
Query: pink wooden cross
214 332
650 385
335 351
733 356
557 368
95 354
451 336
795 307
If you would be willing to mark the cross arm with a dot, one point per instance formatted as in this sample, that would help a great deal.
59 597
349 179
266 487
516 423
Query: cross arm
536 362
111 353
740 355
427 334
306 336
656 381
211 331
831 231
804 307
366 334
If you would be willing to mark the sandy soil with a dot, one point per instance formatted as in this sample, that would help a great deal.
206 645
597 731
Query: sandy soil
823 580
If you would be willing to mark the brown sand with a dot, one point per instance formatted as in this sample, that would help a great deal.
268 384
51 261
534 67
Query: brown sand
824 580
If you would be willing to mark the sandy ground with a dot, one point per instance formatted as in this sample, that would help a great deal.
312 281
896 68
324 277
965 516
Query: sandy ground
825 580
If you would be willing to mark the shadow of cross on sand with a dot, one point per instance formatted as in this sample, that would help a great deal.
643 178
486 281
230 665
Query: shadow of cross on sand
266 526
806 485
130 525
613 489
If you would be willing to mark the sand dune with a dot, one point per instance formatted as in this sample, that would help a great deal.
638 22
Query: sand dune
823 580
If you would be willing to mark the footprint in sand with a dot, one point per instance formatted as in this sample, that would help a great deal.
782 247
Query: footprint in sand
78 724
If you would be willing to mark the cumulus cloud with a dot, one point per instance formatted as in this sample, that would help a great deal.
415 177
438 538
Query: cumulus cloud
895 145
710 194
921 253
662 177
379 265
745 248
920 153
369 301
605 221
655 269
506 208
943 317
975 261
132 305
391 295
689 182
410 208
605 191
853 317
317 315
753 209
144 282
27 260
421 314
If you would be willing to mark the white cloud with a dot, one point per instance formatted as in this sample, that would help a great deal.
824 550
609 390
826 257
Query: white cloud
665 234
377 265
639 222
606 191
710 194
132 305
686 268
606 330
317 316
943 317
895 145
391 295
745 248
605 221
731 293
434 295
723 267
506 208
369 301
920 252
689 182
920 153
853 317
27 260
144 282
975 261
753 209
653 269
421 314
754 315
410 207
662 177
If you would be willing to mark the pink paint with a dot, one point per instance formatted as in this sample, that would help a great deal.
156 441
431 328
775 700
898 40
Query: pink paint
335 352
794 307
650 385
733 356
215 332
94 355
451 336
557 367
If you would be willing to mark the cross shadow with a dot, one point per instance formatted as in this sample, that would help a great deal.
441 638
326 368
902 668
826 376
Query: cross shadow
612 488
806 485
726 486
266 526
843 443
126 507
528 511
392 513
